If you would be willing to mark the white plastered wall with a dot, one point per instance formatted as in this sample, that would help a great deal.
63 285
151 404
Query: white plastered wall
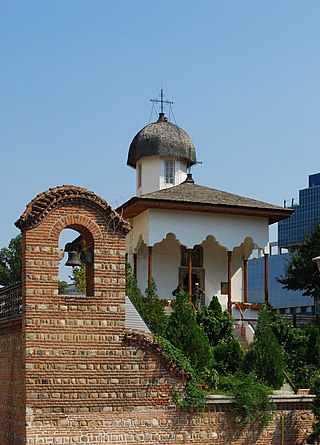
217 234
166 262
192 228
152 174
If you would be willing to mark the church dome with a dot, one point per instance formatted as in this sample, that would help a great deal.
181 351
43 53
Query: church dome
163 139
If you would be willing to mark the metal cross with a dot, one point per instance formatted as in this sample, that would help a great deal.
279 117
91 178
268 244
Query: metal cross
161 100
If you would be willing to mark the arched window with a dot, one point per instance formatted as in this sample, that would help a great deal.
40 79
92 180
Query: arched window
76 264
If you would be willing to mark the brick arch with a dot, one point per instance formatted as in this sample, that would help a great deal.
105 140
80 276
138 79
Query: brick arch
82 224
42 205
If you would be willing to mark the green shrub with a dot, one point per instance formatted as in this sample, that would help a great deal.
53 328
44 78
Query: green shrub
265 355
216 324
193 396
252 400
150 306
228 356
184 332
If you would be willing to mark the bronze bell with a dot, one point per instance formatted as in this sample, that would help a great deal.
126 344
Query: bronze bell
73 259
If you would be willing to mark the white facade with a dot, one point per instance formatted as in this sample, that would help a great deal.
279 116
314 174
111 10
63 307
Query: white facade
166 230
150 174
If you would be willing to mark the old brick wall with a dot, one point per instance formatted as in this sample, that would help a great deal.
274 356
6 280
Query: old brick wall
77 362
88 380
161 426
12 428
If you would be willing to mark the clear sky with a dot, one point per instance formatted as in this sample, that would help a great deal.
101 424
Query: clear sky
77 77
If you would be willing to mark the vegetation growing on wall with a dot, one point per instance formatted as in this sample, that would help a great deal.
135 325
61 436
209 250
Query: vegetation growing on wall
203 344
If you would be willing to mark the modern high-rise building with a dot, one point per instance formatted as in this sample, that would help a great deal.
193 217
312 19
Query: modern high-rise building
306 216
291 232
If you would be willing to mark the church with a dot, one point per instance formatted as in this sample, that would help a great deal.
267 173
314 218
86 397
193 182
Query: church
184 232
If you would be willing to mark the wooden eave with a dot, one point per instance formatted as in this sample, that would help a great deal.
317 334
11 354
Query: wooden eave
136 205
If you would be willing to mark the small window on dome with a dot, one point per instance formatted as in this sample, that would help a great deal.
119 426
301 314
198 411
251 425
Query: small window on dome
139 175
169 172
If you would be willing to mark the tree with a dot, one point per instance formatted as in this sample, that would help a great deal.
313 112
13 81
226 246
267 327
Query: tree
265 356
78 277
301 273
186 334
11 262
150 306
217 325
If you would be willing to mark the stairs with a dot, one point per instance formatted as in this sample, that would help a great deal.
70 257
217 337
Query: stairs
242 341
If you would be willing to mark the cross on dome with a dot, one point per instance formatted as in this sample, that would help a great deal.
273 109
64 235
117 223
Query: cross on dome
161 101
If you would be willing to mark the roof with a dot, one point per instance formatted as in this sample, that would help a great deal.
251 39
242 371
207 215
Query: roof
42 204
133 319
163 139
193 197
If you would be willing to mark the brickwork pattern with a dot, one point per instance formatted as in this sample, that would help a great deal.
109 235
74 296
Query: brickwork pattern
12 425
86 379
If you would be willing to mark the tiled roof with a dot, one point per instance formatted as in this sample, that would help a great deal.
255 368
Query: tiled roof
43 203
198 198
191 192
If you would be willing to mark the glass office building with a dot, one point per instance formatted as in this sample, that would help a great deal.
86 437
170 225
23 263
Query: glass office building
284 300
307 214
291 231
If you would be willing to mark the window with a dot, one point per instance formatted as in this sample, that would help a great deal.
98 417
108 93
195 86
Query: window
139 175
197 256
169 172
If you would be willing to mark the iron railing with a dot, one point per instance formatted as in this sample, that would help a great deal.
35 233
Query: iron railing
10 300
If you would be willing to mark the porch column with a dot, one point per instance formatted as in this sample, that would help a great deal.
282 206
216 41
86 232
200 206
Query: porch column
229 279
245 281
135 265
190 274
266 277
149 264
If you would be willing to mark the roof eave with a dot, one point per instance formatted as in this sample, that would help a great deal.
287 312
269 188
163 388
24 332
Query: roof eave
136 205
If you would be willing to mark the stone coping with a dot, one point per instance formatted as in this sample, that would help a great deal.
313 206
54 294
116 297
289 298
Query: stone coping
278 397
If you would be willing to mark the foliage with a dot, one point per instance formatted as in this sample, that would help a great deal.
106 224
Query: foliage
301 273
251 399
216 324
265 355
228 356
194 395
150 306
315 435
184 332
153 307
63 288
301 350
132 289
78 277
11 262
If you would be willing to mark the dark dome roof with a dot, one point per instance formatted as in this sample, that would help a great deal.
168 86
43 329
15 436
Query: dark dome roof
163 139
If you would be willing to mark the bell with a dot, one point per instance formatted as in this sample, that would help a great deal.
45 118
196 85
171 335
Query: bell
73 259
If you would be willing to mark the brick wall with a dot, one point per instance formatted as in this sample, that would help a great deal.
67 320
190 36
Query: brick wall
11 383
88 380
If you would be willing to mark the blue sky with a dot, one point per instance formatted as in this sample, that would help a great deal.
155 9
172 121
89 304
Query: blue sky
77 78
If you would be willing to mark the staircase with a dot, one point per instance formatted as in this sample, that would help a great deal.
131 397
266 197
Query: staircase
242 341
